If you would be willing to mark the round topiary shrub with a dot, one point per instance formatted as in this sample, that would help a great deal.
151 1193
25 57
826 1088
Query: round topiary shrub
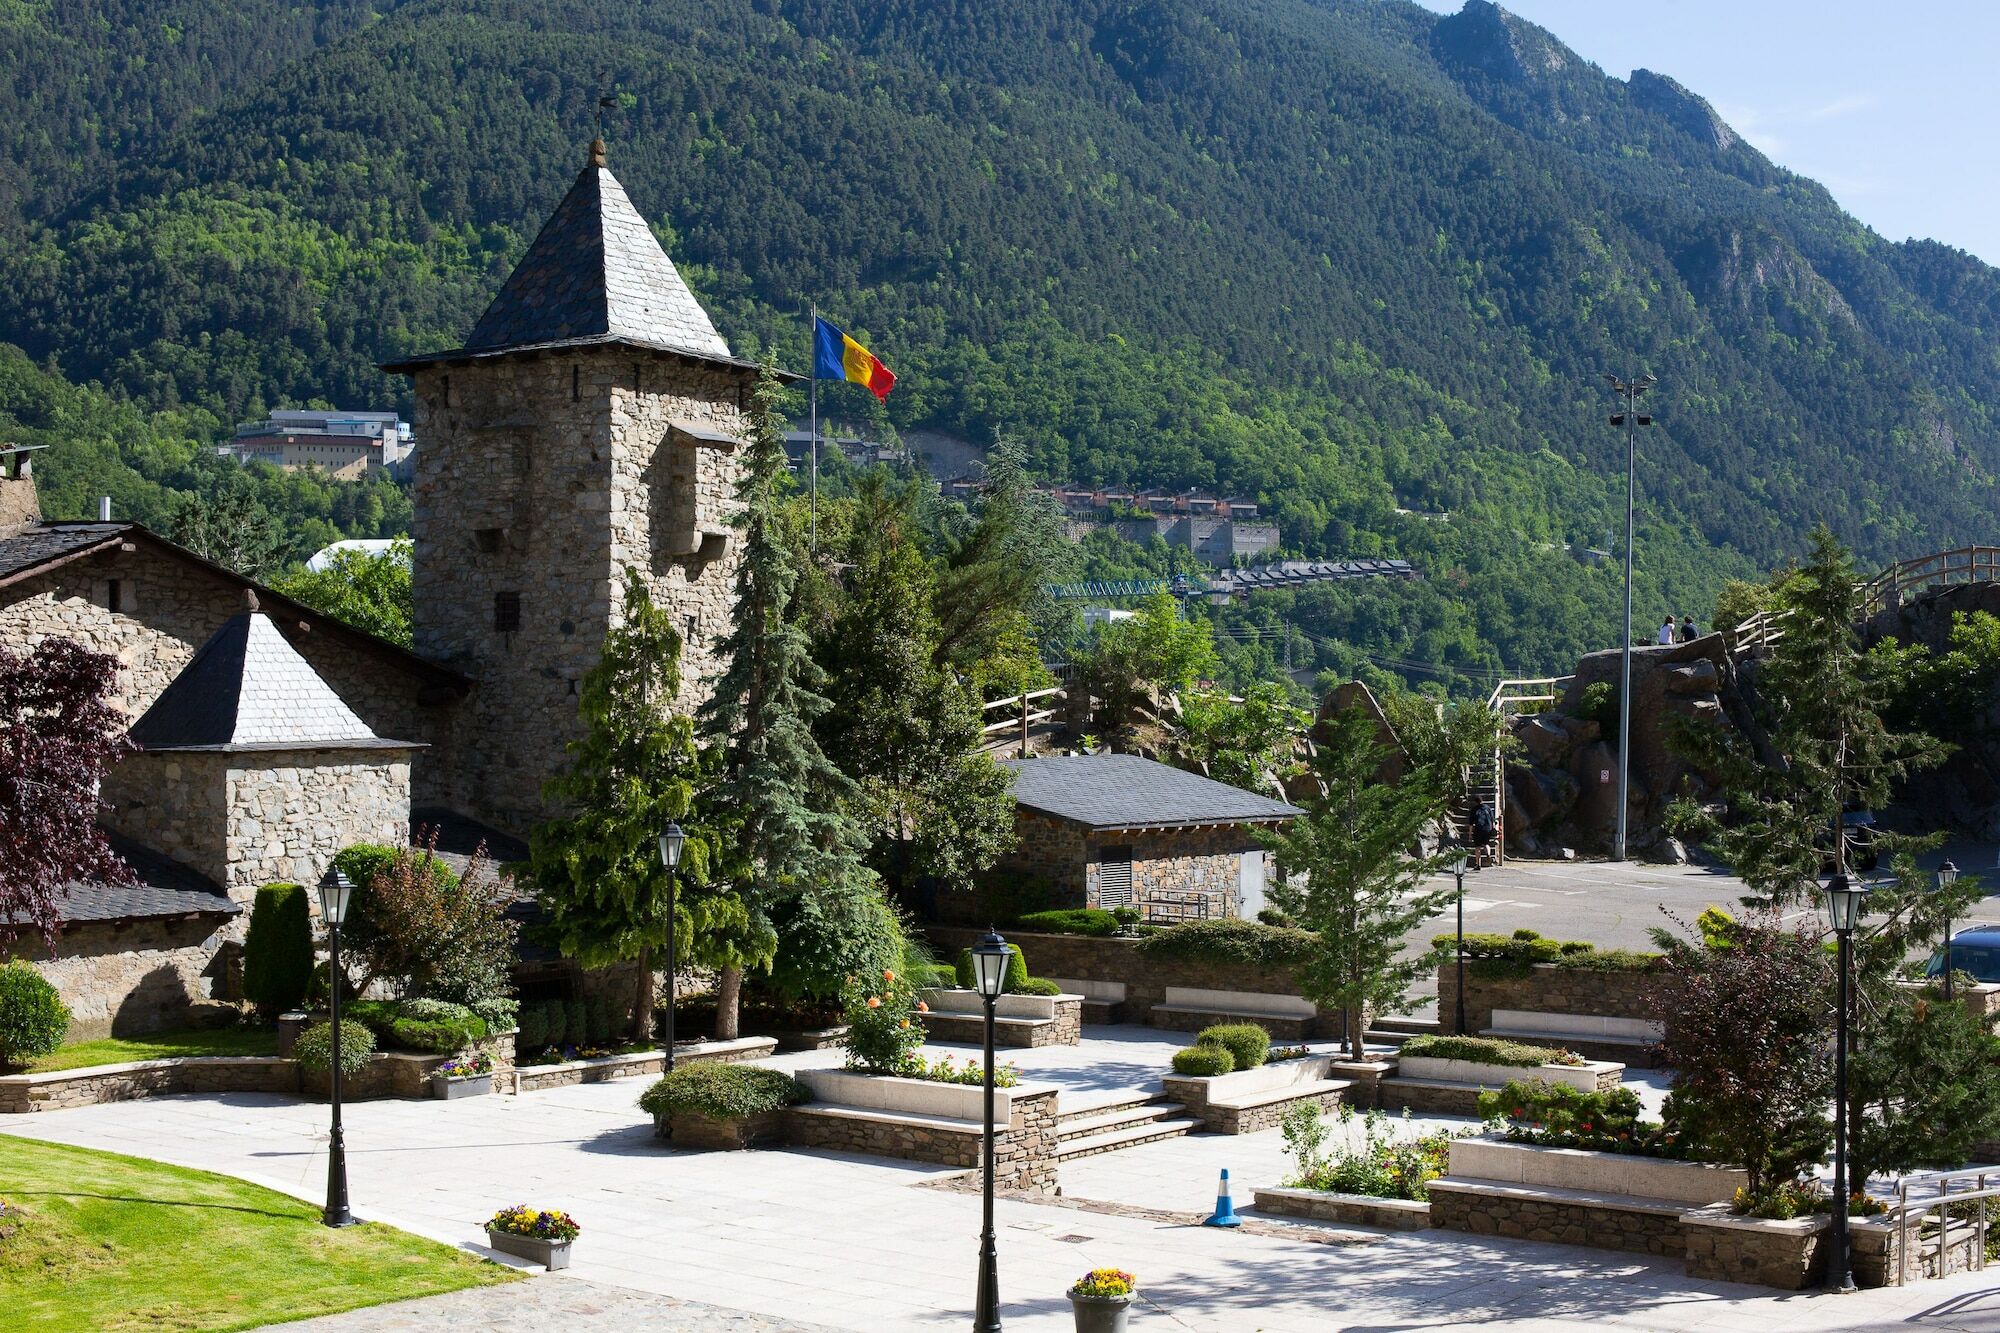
1017 971
33 1017
1247 1043
1202 1060
1038 986
722 1091
314 1049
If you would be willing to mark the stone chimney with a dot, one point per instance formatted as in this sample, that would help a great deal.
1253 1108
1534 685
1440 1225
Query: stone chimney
19 509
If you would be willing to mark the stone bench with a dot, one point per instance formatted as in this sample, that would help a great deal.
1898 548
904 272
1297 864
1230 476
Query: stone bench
1190 1009
1433 1086
1019 1020
1249 1100
1103 1001
922 1121
1630 1040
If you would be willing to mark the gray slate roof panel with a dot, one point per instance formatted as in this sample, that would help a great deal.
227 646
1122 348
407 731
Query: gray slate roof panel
39 545
1113 791
248 688
165 888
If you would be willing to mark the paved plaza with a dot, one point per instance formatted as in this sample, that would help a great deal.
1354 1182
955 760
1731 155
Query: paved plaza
791 1240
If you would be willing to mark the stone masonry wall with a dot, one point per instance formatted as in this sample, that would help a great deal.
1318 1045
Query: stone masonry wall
1206 861
175 802
1024 1151
1052 849
543 479
21 1093
1546 989
123 978
1599 1225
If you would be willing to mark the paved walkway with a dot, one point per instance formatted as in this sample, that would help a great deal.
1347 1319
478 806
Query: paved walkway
825 1240
550 1304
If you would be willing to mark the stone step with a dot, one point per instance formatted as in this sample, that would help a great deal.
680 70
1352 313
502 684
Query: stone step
1125 1117
1150 1132
1136 1097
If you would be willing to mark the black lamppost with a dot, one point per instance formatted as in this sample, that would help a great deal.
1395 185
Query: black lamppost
1631 419
1459 860
671 842
1947 876
1844 904
335 891
989 965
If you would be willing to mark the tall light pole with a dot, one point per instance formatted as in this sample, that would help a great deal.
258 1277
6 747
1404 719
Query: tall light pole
335 891
1947 876
1458 863
989 965
1845 901
671 842
1631 419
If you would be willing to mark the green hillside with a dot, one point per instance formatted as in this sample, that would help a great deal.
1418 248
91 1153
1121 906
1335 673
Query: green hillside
1343 256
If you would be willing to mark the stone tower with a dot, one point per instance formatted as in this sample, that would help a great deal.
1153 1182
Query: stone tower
590 424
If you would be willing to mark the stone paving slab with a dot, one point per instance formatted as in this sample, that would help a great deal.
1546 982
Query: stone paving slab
550 1303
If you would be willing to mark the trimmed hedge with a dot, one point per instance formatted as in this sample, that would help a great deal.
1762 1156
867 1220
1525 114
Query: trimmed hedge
33 1018
314 1048
1513 955
436 1027
278 951
1072 921
1203 1060
1247 1043
1229 940
1481 1050
723 1091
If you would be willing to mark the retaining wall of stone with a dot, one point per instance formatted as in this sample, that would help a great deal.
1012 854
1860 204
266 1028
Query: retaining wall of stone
1024 1152
147 1078
1547 988
1788 1254
1599 1222
1351 1209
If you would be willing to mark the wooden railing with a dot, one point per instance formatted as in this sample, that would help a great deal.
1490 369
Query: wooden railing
1757 635
1021 722
1966 564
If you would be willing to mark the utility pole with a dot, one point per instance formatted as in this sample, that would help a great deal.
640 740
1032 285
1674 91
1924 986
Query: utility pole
1631 419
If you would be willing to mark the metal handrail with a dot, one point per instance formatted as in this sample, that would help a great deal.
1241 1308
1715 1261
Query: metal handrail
1984 1184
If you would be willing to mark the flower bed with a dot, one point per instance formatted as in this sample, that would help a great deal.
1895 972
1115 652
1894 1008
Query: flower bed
723 1106
1584 1075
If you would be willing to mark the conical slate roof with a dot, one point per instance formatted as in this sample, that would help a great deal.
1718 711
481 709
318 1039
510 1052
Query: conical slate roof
248 689
596 273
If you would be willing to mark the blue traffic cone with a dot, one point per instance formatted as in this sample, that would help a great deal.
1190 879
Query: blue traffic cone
1225 1207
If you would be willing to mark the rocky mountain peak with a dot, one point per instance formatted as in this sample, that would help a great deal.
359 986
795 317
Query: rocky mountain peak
1670 100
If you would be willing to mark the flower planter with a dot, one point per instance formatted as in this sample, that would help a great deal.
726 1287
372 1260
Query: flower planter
1101 1314
1590 1076
451 1089
691 1129
550 1254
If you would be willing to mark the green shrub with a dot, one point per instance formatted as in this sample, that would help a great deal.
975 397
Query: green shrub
597 1021
1017 971
1481 1050
934 976
278 951
1071 921
555 1022
1382 1164
438 1036
1039 986
883 1025
1272 916
1203 1061
1560 1116
499 1013
576 1023
1247 1043
375 1015
33 1018
1611 960
1125 916
432 1011
534 1029
724 1091
1512 955
361 863
1599 704
1229 940
314 1049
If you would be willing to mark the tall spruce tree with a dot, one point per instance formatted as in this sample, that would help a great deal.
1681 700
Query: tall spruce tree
597 868
781 803
1347 870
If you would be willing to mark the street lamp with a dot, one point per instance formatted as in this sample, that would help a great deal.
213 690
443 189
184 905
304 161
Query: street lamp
335 892
1845 901
1631 419
1459 860
989 968
1947 876
671 842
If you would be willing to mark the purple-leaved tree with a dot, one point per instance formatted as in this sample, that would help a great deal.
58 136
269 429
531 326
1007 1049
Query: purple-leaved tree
58 733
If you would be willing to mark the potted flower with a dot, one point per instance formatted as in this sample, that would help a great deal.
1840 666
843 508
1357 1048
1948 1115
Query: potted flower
463 1076
533 1233
1102 1299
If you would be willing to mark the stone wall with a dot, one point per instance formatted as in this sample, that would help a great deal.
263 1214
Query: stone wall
1349 1209
149 1078
1205 861
1876 1248
1547 989
1024 1152
124 978
543 479
1602 1223
1721 1247
1065 1029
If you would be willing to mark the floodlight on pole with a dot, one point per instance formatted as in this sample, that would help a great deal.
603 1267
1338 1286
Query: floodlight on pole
1631 419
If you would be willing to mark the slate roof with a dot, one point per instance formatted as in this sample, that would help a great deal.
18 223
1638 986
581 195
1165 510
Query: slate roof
594 275
458 836
43 545
248 689
165 888
1124 791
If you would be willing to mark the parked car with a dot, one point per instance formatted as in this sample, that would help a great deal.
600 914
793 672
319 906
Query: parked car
1974 950
1862 854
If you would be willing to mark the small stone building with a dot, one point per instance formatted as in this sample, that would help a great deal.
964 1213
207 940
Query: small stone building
1116 830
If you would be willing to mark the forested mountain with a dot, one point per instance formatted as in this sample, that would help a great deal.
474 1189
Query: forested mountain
1344 256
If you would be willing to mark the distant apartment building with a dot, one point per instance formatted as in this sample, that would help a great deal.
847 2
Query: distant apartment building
1217 531
347 445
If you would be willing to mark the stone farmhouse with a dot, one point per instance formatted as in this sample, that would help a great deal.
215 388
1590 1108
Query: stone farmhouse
591 423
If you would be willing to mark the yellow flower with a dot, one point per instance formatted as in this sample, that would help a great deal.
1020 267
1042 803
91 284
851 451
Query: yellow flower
906 1022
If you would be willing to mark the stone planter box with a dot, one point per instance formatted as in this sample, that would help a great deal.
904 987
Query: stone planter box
453 1089
537 1078
550 1254
132 1080
1248 1100
1591 1076
920 1121
707 1133
1020 1021
1363 1210
907 1096
1771 1253
1695 1184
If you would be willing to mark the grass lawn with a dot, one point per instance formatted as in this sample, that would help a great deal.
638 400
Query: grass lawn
158 1046
107 1242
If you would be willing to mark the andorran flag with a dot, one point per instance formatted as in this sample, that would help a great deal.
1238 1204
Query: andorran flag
838 357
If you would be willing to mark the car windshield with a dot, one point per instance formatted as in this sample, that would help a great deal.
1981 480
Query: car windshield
1981 960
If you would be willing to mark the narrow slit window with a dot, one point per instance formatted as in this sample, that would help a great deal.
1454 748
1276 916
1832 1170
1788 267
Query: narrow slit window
506 612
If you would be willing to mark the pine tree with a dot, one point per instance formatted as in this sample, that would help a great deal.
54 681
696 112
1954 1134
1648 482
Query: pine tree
597 870
779 803
1346 871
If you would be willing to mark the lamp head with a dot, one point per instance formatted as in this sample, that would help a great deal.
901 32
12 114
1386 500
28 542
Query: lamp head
1460 859
1845 902
336 891
1947 875
989 964
671 842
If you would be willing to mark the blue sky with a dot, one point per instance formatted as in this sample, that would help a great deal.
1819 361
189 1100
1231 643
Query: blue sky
1893 106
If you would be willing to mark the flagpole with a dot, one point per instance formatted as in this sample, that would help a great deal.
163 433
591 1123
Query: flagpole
812 368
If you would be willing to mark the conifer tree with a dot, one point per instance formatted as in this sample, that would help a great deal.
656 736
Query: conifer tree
779 803
1347 870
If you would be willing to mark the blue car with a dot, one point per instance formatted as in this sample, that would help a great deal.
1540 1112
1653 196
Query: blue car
1976 950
